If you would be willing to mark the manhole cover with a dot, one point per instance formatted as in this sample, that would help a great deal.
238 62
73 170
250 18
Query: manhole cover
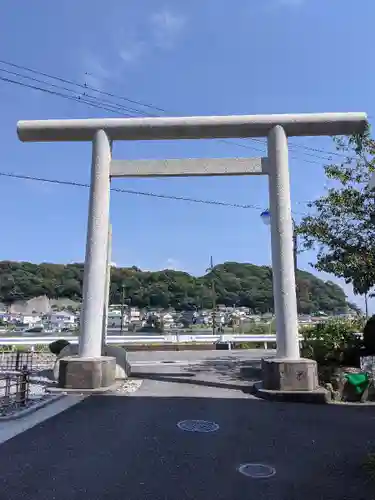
198 426
257 471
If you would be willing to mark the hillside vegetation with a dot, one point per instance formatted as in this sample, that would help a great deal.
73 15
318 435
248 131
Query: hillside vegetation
236 283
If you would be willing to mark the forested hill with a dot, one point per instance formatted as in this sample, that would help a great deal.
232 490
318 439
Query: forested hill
236 283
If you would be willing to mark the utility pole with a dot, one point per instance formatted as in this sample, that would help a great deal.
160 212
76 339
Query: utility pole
107 287
295 257
122 306
213 294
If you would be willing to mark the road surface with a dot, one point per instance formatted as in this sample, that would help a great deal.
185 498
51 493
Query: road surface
193 356
117 448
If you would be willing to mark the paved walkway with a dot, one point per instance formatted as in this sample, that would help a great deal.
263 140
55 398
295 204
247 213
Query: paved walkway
130 448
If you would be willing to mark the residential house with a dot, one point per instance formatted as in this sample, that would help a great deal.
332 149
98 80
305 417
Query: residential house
168 320
114 319
28 320
134 315
61 319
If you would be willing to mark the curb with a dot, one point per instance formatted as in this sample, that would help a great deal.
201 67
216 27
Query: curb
353 403
27 411
320 396
64 391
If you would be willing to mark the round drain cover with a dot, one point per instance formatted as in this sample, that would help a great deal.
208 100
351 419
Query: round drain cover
198 426
257 471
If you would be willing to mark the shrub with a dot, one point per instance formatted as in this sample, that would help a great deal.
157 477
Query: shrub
369 336
333 342
259 329
57 346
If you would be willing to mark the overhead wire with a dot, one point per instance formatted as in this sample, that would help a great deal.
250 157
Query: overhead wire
134 192
59 94
114 107
110 107
118 107
80 94
81 85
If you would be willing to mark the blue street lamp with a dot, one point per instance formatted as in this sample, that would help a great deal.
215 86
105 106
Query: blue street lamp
266 217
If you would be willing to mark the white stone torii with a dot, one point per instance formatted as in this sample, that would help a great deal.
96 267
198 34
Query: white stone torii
276 128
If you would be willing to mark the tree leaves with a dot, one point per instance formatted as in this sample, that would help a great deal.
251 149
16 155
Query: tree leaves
342 227
236 284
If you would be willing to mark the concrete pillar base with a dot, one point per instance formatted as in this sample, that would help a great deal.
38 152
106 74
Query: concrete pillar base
123 367
289 375
87 373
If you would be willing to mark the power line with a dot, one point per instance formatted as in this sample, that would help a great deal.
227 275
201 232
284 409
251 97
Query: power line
84 86
139 193
115 108
59 94
261 150
119 107
131 191
84 100
93 102
80 95
328 153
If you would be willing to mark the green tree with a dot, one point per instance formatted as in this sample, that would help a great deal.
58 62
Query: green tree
236 284
342 227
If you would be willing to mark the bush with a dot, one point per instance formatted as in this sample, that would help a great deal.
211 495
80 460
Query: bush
369 336
57 346
333 342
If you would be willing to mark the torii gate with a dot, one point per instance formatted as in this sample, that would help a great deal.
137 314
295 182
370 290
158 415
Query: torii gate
287 372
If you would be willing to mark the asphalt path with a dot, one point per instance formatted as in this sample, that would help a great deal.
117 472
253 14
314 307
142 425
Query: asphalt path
151 357
209 373
116 447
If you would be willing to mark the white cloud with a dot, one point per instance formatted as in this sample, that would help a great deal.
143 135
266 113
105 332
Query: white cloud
160 30
132 51
172 264
167 26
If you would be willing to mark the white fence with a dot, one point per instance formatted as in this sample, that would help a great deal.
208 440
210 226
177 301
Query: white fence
174 338
148 339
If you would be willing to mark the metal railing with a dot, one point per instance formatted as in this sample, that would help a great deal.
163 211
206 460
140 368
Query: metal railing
174 338
14 381
16 361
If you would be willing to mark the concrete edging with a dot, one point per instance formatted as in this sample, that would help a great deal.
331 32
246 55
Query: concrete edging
319 396
27 411
64 391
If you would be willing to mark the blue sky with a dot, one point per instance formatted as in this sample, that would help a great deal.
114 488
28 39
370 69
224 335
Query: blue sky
196 57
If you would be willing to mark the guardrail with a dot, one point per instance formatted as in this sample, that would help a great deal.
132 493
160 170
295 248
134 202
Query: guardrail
174 338
147 339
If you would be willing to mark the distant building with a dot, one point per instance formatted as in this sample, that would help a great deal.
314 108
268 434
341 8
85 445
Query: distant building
168 320
114 319
134 315
61 319
27 320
